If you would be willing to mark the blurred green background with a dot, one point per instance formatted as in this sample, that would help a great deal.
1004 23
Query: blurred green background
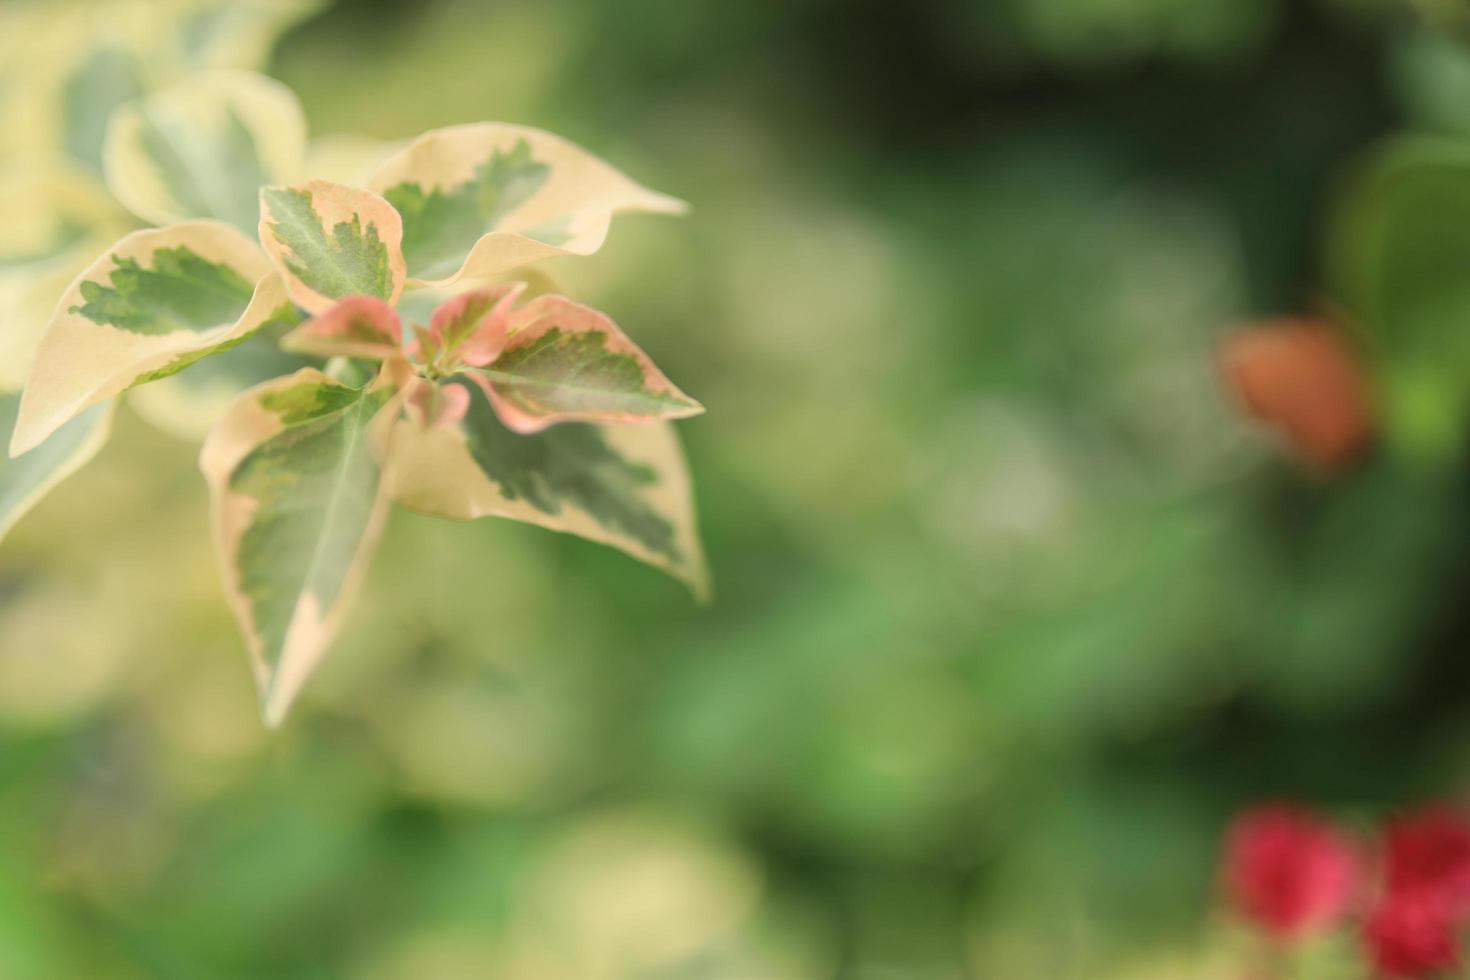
1014 610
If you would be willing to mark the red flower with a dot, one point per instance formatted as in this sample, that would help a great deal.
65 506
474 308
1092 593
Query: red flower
1412 935
1288 870
1429 852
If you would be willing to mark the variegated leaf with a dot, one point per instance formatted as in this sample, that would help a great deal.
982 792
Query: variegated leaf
153 304
66 69
480 200
471 328
358 326
204 148
76 67
78 60
567 362
622 485
27 478
297 509
331 241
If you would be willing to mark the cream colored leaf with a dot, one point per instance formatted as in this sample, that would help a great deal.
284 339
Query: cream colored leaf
482 199
152 304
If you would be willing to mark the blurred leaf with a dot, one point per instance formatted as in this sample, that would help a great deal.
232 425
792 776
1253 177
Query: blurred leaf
108 77
1431 71
1398 253
204 148
25 479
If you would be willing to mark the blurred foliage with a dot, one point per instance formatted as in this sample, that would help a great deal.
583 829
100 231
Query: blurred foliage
1013 609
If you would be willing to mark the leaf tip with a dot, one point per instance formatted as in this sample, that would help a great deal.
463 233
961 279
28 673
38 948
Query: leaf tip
27 435
274 708
655 203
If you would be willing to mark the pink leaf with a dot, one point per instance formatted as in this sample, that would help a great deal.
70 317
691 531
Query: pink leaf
438 406
472 326
358 326
564 362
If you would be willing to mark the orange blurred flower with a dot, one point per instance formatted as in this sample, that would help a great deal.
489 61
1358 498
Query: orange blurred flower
1299 375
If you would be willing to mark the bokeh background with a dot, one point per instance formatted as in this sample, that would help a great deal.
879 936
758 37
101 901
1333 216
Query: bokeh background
1015 607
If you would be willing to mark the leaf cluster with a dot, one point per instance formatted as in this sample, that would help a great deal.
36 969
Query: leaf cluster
531 407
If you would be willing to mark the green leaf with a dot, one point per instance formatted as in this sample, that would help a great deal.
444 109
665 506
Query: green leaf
298 510
622 485
333 242
1400 251
441 225
567 362
182 291
25 479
